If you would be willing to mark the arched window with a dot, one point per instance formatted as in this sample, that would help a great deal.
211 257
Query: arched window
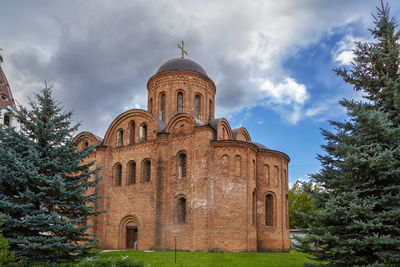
287 211
225 165
146 170
132 132
86 144
266 174
179 102
131 172
254 169
120 137
6 120
276 176
182 165
181 210
237 165
118 174
162 107
150 105
210 115
143 132
197 106
254 207
285 177
269 210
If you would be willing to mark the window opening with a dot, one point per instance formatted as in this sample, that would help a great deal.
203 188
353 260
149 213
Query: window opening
268 210
182 210
179 107
182 166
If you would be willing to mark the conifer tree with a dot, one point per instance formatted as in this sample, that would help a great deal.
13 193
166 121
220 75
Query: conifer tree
44 185
357 222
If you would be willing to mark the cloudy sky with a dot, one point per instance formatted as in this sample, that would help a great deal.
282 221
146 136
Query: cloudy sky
271 61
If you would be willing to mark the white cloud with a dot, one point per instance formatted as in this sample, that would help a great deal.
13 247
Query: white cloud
286 92
343 50
287 98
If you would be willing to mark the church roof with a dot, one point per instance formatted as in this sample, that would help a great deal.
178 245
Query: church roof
181 64
260 146
6 98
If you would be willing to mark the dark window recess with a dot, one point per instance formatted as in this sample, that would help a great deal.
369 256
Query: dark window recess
182 210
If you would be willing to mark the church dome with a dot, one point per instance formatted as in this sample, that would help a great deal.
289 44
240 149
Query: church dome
181 64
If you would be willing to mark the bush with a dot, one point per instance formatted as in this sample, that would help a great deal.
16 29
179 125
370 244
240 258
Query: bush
7 259
124 261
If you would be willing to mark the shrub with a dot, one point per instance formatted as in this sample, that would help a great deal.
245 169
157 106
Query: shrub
124 261
7 259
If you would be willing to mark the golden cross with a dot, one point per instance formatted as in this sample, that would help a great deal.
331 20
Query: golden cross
182 48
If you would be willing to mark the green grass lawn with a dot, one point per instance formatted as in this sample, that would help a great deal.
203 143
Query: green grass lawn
197 259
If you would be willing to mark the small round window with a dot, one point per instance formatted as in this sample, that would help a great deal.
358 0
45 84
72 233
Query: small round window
4 97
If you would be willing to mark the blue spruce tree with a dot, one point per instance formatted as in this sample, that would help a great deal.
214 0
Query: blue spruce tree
357 222
44 185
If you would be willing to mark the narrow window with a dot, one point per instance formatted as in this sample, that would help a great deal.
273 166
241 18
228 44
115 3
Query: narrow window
162 106
237 165
7 120
182 165
132 172
181 210
210 115
197 106
150 105
146 170
266 174
86 144
225 165
285 177
254 169
120 137
287 211
179 103
254 207
132 133
118 174
269 210
276 176
143 132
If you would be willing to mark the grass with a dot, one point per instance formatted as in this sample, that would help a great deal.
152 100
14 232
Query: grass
202 259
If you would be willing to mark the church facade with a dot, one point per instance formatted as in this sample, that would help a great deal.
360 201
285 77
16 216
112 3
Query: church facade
7 102
173 171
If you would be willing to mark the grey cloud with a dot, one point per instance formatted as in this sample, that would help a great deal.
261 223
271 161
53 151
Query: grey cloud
100 54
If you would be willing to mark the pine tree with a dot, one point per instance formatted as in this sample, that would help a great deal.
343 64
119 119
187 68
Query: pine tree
45 185
358 217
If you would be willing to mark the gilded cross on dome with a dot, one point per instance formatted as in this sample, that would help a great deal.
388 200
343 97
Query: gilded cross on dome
183 51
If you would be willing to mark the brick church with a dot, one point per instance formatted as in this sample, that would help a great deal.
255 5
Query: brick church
175 171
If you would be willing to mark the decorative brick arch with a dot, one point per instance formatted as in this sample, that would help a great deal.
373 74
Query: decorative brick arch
92 139
129 219
128 116
180 118
241 134
222 126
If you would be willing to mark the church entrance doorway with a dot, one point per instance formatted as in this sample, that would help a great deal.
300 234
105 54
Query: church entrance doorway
131 237
128 233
